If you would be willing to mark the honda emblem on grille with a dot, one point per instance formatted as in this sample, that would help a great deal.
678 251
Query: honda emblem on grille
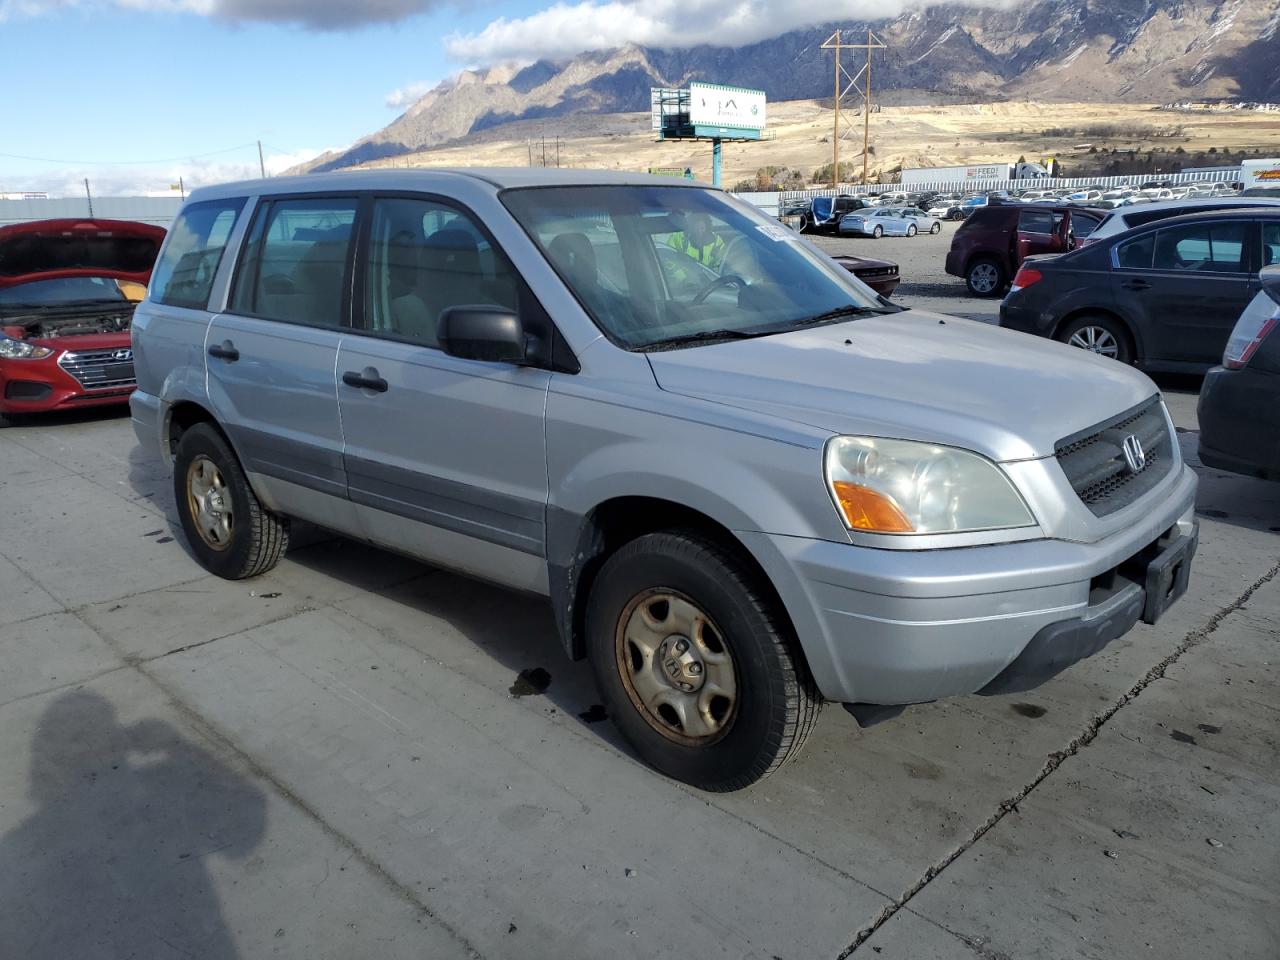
122 355
1134 455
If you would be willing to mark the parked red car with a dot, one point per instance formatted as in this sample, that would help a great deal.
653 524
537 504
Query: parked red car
880 275
67 293
993 241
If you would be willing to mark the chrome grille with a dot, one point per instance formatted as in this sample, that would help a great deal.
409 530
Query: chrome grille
1099 470
100 369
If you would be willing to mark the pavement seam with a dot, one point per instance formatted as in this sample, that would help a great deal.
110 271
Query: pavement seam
79 682
204 726
1055 760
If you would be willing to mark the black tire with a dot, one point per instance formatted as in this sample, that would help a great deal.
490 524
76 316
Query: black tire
985 277
877 233
1100 323
936 227
258 537
911 230
777 703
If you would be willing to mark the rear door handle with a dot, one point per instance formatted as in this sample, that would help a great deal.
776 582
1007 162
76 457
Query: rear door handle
1136 285
225 351
368 380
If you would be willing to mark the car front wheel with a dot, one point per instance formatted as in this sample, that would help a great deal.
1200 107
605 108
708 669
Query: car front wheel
696 666
911 230
230 532
877 233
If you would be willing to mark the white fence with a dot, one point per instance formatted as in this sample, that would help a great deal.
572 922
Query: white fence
769 202
157 210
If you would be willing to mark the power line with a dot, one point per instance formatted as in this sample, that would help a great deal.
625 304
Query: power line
131 163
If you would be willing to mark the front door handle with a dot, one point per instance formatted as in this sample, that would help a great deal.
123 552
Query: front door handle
366 380
1136 285
225 351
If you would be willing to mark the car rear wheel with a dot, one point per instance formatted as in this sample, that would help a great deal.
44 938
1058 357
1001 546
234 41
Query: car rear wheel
878 232
696 667
911 230
230 532
985 278
1102 335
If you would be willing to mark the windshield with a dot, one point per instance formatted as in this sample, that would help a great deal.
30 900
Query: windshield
55 293
666 265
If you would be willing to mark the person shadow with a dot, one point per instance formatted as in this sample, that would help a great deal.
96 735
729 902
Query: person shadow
114 862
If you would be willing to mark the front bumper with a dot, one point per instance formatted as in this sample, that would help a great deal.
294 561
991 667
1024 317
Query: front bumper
1240 422
895 626
41 386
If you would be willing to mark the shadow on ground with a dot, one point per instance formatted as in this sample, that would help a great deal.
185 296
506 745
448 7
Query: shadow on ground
113 861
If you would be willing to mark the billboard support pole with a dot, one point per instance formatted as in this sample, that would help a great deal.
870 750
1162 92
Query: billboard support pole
715 162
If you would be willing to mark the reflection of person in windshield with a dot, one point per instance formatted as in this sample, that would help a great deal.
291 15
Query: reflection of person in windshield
699 241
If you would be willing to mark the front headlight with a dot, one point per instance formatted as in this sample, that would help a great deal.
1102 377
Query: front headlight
11 349
907 487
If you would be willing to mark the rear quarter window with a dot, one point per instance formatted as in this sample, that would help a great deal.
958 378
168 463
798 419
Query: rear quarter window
183 277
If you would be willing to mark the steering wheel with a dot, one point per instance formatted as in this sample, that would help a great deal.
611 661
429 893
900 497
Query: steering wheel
727 280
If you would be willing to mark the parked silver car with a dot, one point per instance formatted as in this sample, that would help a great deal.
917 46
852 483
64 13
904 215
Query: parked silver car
880 222
745 484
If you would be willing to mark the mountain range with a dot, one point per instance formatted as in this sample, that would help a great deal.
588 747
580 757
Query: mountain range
1080 50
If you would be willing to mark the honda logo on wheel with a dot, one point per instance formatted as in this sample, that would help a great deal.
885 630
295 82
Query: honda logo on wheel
121 355
1134 455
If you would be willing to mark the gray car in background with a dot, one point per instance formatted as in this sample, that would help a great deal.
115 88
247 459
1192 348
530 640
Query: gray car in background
745 484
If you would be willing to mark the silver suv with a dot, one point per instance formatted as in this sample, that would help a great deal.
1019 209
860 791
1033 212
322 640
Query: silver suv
745 482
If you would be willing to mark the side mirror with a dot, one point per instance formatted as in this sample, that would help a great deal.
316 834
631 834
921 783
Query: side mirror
482 333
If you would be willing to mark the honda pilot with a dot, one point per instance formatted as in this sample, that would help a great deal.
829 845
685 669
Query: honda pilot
745 486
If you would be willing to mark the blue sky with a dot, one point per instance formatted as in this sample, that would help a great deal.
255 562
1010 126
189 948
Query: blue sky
101 84
134 94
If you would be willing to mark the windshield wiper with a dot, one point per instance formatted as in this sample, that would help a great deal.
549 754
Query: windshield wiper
836 314
707 336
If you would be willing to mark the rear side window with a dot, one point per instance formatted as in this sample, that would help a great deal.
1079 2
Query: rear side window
1082 225
1212 248
184 274
295 261
1270 244
1036 221
1136 254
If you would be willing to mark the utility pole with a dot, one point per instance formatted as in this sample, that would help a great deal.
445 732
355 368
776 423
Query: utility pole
182 188
88 196
262 166
843 84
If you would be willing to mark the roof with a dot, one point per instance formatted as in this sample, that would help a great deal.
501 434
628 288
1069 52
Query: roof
425 178
1209 203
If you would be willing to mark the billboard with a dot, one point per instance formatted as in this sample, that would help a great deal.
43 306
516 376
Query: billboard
712 105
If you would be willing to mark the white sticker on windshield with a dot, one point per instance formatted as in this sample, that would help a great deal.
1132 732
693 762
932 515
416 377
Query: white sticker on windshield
775 232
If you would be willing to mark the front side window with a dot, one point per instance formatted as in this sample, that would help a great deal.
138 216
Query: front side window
666 265
425 257
184 275
295 261
1202 247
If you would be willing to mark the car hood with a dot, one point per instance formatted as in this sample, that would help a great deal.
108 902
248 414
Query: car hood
851 262
914 376
53 249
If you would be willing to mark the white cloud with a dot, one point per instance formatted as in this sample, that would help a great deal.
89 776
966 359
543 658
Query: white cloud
155 179
402 97
314 14
563 30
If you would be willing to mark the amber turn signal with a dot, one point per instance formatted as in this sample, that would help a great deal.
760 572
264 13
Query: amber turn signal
865 509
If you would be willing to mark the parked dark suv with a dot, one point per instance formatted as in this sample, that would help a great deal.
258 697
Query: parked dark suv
1164 296
993 241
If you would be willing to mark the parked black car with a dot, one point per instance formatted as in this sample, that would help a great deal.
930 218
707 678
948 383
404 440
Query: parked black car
1164 296
1240 400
